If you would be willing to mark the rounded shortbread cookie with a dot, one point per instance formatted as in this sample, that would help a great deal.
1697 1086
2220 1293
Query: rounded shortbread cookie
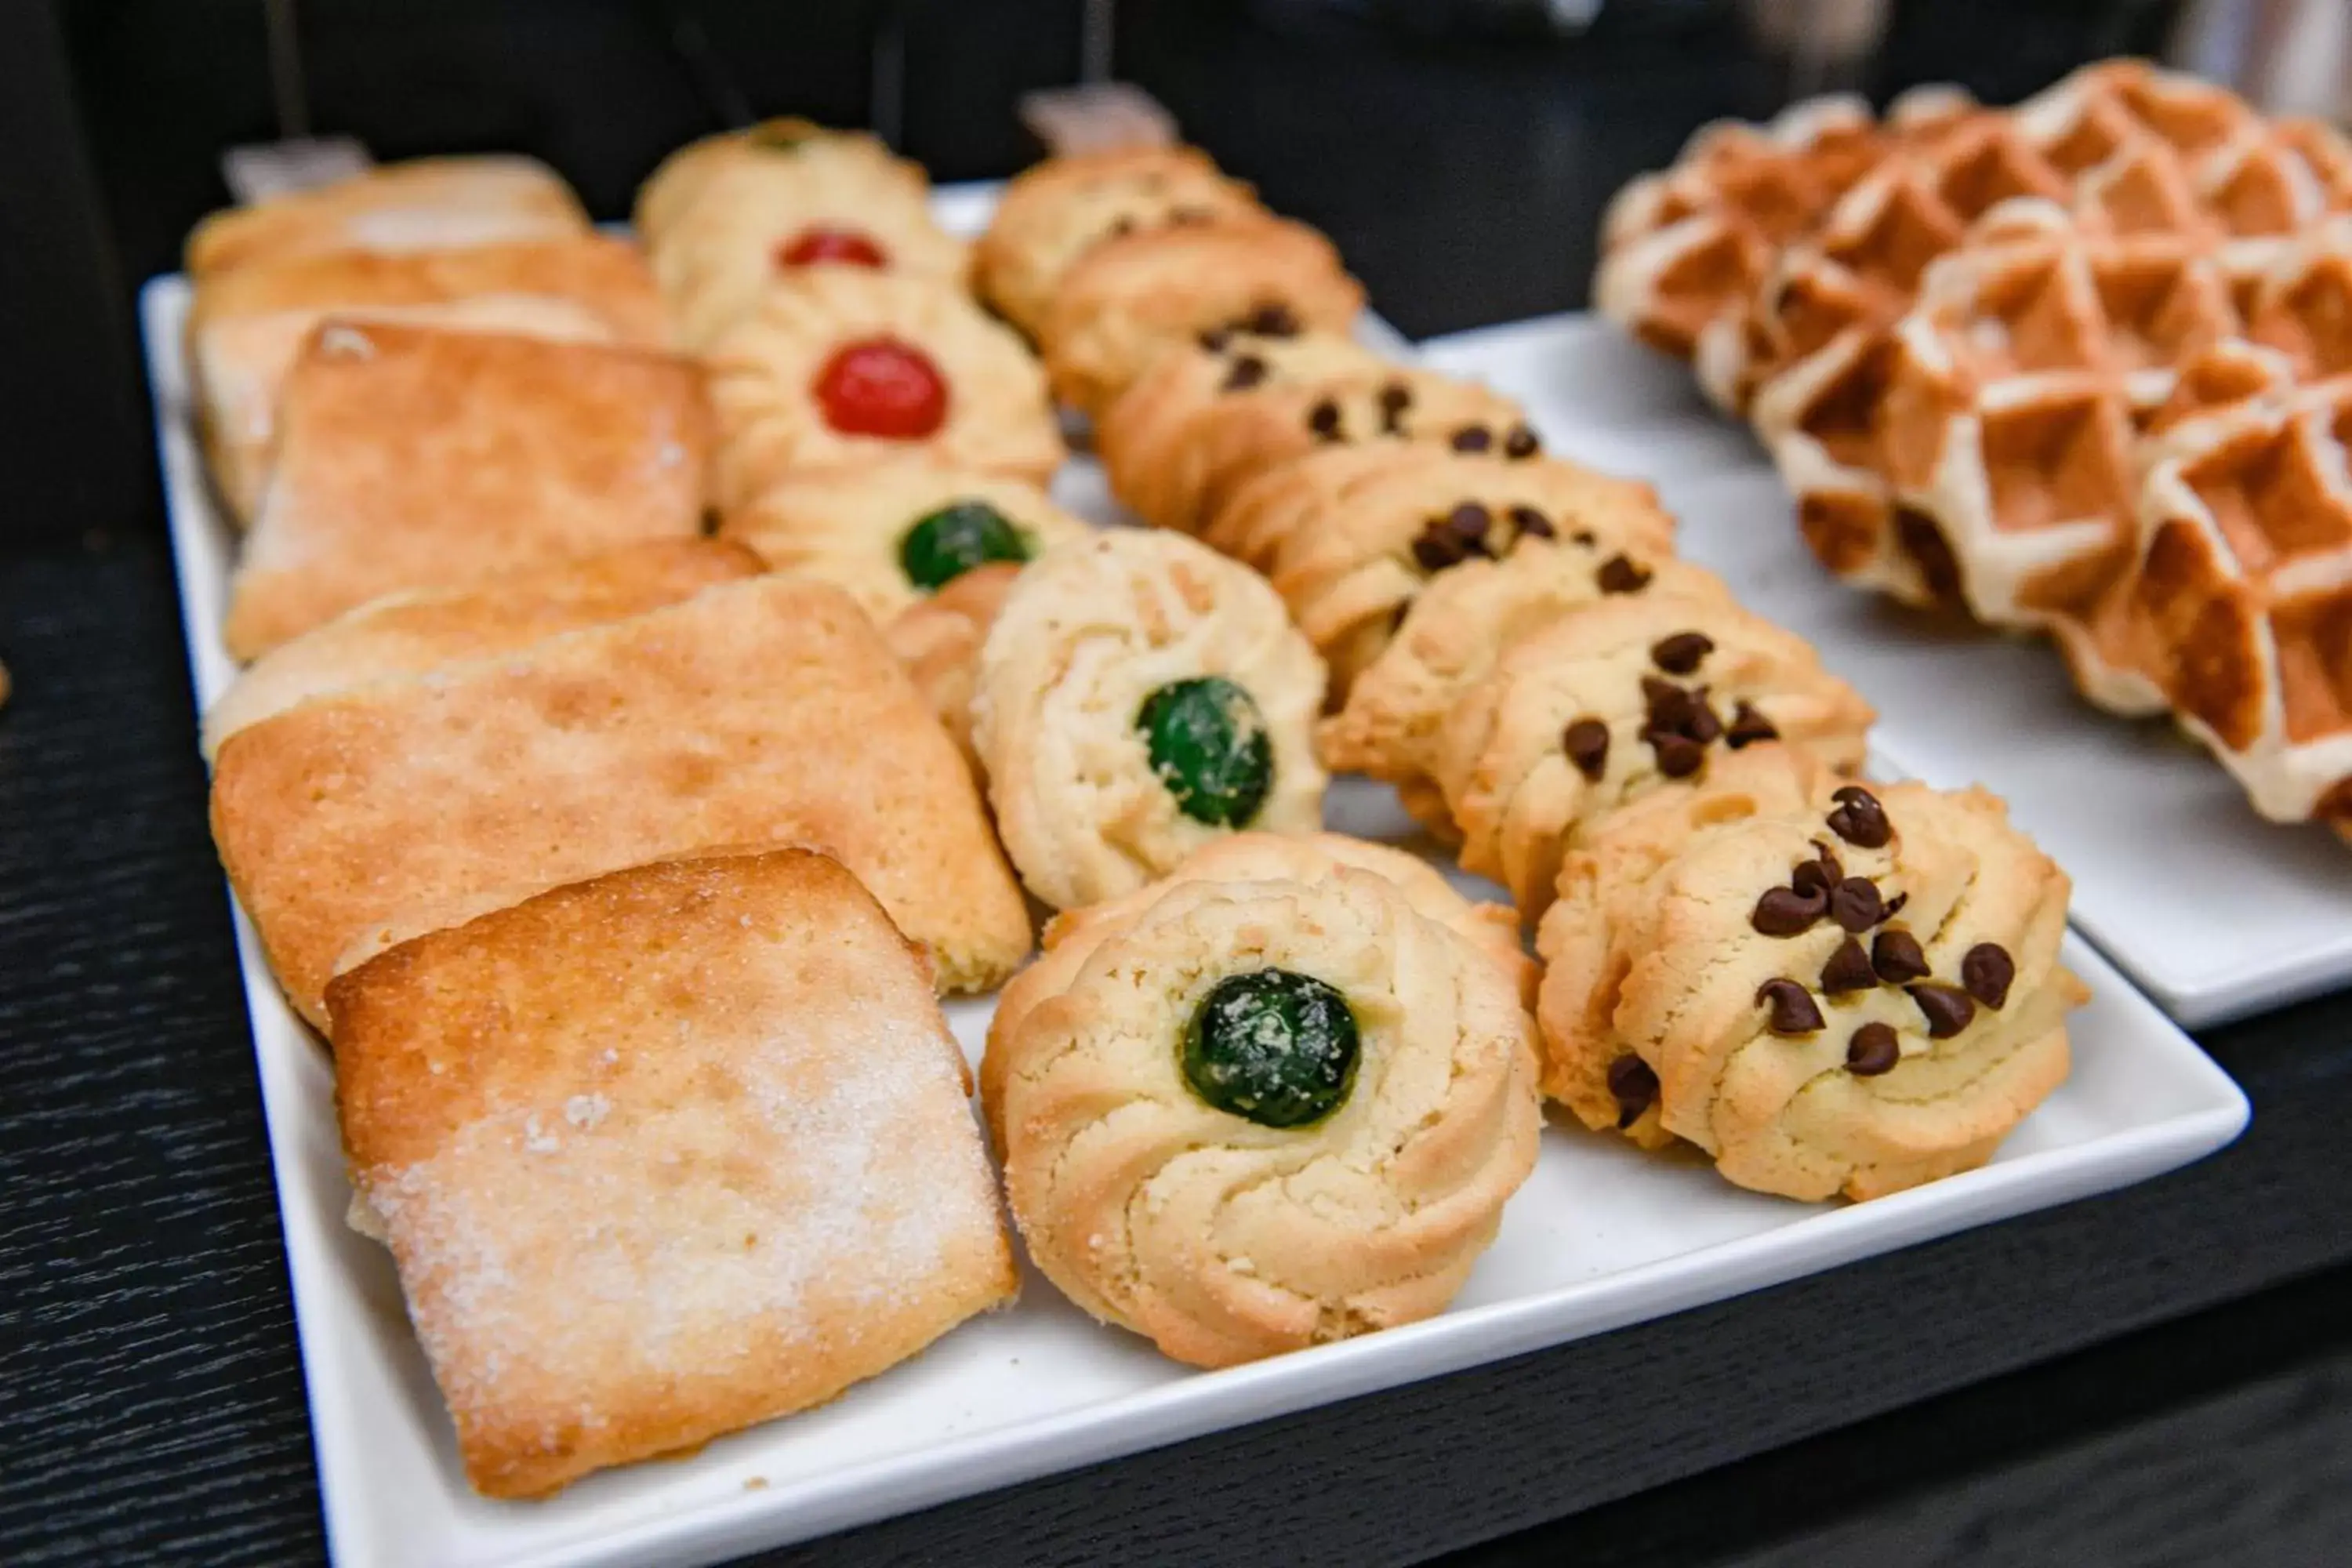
1052 214
840 366
1599 707
939 640
1250 1117
1857 997
895 533
1138 696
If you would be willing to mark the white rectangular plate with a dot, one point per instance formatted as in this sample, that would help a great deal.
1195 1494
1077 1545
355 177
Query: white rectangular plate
2216 912
1601 1236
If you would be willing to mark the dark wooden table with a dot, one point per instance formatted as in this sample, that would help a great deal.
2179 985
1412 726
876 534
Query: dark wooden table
2152 1376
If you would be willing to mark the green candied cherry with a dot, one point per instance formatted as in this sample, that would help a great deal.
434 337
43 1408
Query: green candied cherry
943 545
1208 747
1275 1047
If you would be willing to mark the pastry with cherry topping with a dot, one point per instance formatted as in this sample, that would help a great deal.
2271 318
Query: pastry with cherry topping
895 533
842 366
1140 696
1625 697
1241 399
1050 214
723 216
1134 297
1828 988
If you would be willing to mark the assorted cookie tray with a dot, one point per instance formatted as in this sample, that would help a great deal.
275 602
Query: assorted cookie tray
1600 1236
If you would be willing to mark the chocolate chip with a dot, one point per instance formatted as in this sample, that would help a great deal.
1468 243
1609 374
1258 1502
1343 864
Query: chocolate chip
1395 398
1583 536
1530 523
1216 340
1987 971
1748 727
1681 653
1122 228
1856 905
1586 741
1469 523
1520 443
1272 322
1247 372
1679 756
1676 712
1896 955
1619 574
1437 548
1785 912
1794 1009
1873 1049
1472 439
1947 1009
1324 419
1633 1084
1859 819
1847 970
1894 906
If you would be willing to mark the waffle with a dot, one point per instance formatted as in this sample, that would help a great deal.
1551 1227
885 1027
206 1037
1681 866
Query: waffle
2126 150
1686 247
2243 579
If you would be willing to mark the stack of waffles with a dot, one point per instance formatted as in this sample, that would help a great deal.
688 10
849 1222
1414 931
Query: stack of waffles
2070 367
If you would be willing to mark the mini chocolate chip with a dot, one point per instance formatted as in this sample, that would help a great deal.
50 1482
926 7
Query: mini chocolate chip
1847 970
1894 906
1859 819
1987 972
1469 521
1702 725
1122 228
1530 523
1794 1011
1873 1049
1620 575
1854 904
1216 340
1662 698
1274 321
1586 741
1785 912
1748 727
1813 876
1324 419
1679 756
1247 372
1896 955
1472 439
1681 653
1946 1008
1583 536
1520 443
1395 398
1437 548
1634 1083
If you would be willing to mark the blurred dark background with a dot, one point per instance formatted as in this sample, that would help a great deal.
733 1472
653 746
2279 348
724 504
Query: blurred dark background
1458 151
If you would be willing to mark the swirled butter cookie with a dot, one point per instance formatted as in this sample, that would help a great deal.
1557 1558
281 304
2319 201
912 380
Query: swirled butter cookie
1253 1117
1359 552
724 216
1453 632
841 367
1053 213
1128 299
1620 698
1238 401
1138 696
896 533
1856 997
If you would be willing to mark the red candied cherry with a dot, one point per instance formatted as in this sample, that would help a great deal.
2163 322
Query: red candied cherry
845 245
880 386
